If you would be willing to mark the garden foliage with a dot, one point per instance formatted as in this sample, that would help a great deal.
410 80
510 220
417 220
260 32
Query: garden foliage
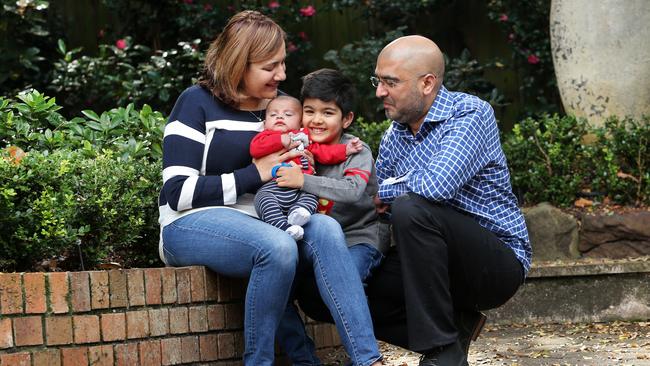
559 159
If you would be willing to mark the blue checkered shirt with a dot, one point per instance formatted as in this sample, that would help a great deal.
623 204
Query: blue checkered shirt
455 158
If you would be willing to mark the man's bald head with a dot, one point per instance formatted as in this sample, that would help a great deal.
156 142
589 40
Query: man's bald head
416 53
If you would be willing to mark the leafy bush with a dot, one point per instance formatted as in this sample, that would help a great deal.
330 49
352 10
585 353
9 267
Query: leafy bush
132 74
546 158
369 132
26 41
557 159
57 204
34 123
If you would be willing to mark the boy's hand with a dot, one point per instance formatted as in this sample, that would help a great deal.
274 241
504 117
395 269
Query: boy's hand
381 207
290 177
353 146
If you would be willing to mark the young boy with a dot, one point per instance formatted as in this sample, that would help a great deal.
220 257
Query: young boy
287 208
346 192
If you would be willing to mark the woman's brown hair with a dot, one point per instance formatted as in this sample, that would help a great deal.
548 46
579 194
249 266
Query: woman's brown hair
248 37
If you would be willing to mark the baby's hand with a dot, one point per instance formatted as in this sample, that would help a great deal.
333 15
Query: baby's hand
288 142
353 146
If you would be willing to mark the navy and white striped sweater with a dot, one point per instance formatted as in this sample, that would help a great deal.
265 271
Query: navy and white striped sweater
206 159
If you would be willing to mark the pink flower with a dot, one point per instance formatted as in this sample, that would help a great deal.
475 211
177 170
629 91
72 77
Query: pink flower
291 47
303 36
511 37
308 11
101 33
189 2
533 59
207 7
274 5
503 18
120 44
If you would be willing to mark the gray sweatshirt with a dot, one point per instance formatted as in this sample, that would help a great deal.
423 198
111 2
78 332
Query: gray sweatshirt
350 187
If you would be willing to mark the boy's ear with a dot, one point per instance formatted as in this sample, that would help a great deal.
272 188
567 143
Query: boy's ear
347 120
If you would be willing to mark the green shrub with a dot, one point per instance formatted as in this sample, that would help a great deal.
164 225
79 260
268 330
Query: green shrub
369 132
547 159
57 204
34 123
558 159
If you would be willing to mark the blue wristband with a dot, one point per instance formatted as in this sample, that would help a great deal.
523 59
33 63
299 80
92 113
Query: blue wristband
274 171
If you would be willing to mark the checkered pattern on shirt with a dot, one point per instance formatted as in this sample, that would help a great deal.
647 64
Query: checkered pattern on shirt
456 158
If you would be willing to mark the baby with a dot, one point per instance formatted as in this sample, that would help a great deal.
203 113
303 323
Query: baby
289 208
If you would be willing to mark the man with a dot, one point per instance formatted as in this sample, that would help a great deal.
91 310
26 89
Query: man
461 240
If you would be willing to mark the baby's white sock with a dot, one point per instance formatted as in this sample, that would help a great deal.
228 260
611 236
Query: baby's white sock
296 232
299 216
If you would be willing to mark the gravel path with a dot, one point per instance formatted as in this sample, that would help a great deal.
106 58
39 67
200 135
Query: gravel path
599 344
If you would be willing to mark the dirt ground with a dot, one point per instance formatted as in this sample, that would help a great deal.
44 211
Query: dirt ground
598 344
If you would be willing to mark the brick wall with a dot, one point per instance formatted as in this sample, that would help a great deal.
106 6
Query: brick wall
153 316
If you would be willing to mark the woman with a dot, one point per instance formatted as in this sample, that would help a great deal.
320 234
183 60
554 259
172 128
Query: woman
209 179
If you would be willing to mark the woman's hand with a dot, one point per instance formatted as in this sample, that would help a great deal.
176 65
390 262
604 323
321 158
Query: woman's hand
290 177
265 164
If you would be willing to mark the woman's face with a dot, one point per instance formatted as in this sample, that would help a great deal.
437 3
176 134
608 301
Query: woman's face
262 78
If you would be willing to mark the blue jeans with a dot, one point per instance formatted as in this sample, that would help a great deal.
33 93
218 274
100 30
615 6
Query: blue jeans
324 254
234 244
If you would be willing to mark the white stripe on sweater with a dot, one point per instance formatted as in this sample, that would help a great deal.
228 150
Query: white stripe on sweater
229 189
174 170
180 129
230 125
187 193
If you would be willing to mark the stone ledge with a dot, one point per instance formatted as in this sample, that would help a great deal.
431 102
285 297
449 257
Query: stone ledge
580 291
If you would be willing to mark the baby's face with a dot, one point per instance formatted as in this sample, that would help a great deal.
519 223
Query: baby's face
283 116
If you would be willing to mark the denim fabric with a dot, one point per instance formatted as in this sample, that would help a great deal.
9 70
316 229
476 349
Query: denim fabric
234 244
323 253
365 258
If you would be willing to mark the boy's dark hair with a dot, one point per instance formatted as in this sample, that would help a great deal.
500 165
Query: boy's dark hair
329 85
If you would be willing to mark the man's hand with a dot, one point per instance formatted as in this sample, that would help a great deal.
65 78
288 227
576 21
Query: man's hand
381 207
353 146
290 177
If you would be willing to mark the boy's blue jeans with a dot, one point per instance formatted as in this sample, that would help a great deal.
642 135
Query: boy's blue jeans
291 333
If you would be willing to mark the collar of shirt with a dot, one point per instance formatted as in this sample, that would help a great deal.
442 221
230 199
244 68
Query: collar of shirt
441 110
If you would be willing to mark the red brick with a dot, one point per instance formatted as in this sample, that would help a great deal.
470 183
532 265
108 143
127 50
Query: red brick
216 317
197 280
208 347
35 301
224 292
239 344
226 345
150 353
153 285
49 357
183 285
113 327
137 324
86 328
198 319
77 356
59 288
168 285
178 320
11 294
100 355
158 322
16 359
170 351
211 285
58 330
190 349
80 289
135 287
28 331
99 291
117 285
126 354
6 333
234 316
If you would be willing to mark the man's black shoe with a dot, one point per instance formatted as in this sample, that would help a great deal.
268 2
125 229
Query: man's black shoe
449 355
469 324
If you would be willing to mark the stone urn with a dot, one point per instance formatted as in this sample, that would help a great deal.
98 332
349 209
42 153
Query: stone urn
601 53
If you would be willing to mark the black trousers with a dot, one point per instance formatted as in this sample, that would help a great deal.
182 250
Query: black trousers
444 263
